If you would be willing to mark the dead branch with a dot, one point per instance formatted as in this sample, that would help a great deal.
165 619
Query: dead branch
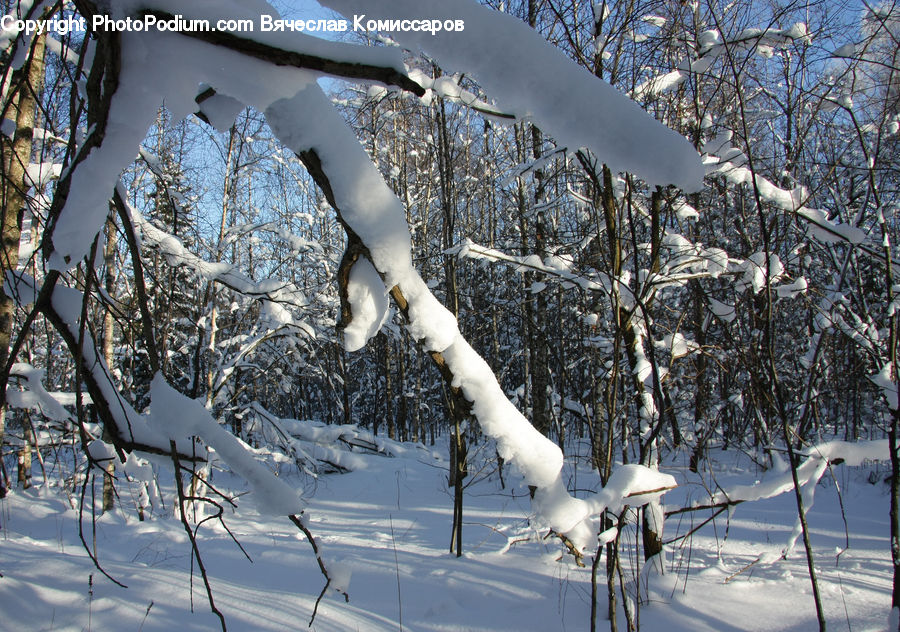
297 520
195 548
570 546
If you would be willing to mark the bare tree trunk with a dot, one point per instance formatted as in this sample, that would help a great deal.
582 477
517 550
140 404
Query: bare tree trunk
459 469
537 336
389 388
227 193
417 409
345 385
458 448
403 402
537 331
109 257
15 185
17 156
24 455
895 515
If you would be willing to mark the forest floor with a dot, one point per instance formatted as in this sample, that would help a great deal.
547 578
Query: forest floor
388 526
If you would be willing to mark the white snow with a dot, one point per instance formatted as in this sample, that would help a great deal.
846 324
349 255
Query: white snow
154 69
722 310
386 527
888 387
570 104
678 345
657 85
369 304
755 271
273 294
40 173
180 417
853 453
827 231
35 396
67 303
792 290
708 39
685 211
158 67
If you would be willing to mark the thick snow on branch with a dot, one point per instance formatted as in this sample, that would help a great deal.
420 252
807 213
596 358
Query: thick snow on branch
530 78
809 472
339 446
853 453
686 261
764 42
177 255
309 122
729 162
888 386
35 396
631 484
86 208
130 427
368 304
155 68
288 40
553 266
180 417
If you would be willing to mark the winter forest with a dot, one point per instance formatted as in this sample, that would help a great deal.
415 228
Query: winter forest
450 315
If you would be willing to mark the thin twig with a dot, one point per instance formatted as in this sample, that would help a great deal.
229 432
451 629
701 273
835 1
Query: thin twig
735 574
695 529
190 533
81 531
297 520
146 614
217 516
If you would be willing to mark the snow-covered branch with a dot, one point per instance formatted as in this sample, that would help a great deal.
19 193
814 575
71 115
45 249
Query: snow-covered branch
376 219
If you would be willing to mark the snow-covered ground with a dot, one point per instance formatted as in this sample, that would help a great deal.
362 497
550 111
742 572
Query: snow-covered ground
388 525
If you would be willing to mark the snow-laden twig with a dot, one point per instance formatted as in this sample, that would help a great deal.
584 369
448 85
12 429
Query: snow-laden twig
62 307
300 523
225 273
314 443
818 458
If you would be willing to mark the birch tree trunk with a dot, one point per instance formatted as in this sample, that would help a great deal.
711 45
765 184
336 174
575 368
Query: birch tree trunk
15 185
